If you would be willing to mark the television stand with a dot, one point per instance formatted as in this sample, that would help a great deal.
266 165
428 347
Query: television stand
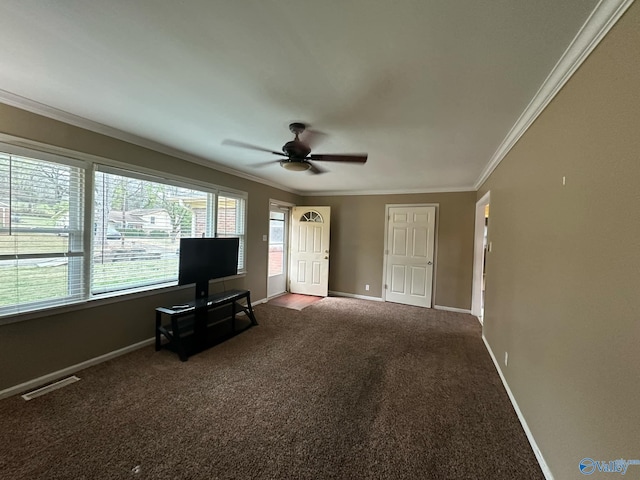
191 324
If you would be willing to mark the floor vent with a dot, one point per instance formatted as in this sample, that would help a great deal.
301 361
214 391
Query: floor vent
50 388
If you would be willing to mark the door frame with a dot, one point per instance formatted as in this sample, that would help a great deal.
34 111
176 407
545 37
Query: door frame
478 256
387 206
288 206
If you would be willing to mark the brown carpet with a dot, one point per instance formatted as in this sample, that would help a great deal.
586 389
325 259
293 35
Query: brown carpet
294 301
345 389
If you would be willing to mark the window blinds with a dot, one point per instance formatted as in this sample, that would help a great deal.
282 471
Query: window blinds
41 233
231 221
138 226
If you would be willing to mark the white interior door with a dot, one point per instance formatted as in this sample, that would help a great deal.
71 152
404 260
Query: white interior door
409 254
278 250
309 272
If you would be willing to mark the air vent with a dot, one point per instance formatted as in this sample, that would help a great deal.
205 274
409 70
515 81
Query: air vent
50 388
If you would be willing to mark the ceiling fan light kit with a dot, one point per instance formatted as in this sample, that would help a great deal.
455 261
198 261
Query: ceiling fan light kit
295 166
298 153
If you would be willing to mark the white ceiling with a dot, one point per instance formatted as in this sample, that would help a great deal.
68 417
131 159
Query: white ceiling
429 88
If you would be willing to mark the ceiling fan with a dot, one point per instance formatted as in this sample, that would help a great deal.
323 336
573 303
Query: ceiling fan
298 153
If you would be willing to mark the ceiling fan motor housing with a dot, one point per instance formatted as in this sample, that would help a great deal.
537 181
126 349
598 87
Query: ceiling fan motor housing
296 150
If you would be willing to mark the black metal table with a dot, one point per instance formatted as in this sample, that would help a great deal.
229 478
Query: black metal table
191 320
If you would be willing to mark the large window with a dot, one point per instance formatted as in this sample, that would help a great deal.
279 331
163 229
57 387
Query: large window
137 221
41 233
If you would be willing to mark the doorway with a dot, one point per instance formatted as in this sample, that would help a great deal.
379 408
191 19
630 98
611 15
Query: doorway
409 254
278 250
481 248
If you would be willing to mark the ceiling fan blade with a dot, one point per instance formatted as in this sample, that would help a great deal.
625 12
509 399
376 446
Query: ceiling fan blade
315 169
235 143
352 158
264 164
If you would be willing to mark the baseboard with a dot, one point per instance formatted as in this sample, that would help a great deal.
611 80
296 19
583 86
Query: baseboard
541 461
258 302
333 293
51 377
451 309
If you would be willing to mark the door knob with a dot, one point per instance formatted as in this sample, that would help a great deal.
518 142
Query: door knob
429 262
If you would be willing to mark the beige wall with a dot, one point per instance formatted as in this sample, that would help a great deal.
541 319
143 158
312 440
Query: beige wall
357 243
563 279
32 348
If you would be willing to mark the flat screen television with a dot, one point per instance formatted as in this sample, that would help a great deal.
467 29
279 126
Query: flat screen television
204 259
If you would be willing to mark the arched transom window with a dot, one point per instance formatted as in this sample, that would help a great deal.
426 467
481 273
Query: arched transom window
311 216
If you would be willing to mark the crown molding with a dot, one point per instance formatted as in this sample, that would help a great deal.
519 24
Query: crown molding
332 193
601 20
38 108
